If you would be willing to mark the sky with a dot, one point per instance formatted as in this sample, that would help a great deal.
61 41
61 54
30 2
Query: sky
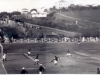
18 5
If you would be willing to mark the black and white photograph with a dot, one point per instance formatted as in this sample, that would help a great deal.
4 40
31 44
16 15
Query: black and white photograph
49 36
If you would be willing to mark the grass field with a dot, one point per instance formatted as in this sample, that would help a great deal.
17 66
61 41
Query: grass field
85 58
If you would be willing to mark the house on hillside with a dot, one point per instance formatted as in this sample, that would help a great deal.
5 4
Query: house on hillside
61 4
38 12
6 21
25 11
51 36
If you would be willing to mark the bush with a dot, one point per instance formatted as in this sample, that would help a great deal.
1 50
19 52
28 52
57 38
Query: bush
13 32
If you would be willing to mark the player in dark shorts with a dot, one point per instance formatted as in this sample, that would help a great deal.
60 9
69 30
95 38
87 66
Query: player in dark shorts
68 53
55 60
23 71
36 60
41 69
98 71
29 52
79 42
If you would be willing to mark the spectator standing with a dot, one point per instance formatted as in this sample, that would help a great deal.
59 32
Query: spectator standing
29 52
41 69
98 71
23 71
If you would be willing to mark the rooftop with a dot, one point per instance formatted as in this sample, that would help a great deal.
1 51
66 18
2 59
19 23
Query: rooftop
62 1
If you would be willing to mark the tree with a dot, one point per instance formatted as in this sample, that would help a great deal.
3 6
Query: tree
13 32
4 15
15 13
53 8
45 10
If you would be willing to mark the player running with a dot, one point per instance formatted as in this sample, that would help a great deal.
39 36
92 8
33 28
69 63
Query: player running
98 71
29 52
41 69
55 60
5 57
36 59
68 53
79 42
23 71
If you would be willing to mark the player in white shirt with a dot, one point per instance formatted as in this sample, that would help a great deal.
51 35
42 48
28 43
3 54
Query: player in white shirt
68 53
5 57
36 60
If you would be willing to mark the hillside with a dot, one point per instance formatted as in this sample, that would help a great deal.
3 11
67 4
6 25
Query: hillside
67 21
61 23
31 31
48 31
84 18
91 15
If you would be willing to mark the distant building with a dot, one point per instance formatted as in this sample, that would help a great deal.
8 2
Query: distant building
51 36
25 11
34 12
38 13
61 4
6 21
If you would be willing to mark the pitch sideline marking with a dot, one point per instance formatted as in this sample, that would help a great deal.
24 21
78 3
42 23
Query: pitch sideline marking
81 53
86 55
95 58
3 67
25 68
29 57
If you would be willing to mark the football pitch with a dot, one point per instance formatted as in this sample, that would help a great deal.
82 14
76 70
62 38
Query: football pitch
85 58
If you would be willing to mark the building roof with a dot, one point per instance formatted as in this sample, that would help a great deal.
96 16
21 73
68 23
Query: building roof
33 10
62 1
51 36
24 9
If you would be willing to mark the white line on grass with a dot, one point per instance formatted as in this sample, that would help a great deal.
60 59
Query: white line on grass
3 67
86 55
25 68
29 57
81 53
95 58
15 53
